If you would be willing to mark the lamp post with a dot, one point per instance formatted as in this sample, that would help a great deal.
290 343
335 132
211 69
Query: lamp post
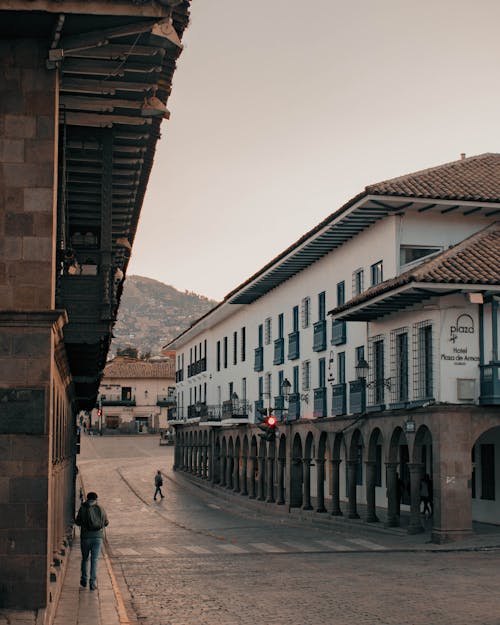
234 403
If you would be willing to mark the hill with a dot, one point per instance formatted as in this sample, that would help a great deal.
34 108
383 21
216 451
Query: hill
152 313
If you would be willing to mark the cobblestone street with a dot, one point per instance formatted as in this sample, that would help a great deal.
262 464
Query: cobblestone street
187 560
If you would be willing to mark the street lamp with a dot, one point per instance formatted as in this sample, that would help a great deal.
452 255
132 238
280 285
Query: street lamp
361 369
235 403
285 389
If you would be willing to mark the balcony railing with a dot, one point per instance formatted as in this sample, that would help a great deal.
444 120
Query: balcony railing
339 333
279 352
235 408
116 400
339 399
294 407
259 359
293 346
490 384
165 400
320 402
197 367
319 340
357 396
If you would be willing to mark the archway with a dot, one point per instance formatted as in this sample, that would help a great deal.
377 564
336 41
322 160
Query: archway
296 473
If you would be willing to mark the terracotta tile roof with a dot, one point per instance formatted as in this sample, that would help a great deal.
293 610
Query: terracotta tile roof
475 260
476 179
122 367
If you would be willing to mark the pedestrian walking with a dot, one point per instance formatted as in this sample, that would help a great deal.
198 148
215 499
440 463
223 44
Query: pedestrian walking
158 485
426 494
92 520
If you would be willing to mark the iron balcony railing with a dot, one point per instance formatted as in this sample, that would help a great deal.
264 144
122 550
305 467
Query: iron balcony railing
116 399
339 333
259 359
320 402
279 351
293 346
339 399
165 400
319 340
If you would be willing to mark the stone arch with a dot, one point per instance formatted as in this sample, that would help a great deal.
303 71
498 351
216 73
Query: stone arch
217 461
281 494
237 465
230 464
244 466
223 462
253 469
261 476
296 473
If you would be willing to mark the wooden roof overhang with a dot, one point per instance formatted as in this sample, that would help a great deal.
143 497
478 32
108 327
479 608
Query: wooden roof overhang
115 62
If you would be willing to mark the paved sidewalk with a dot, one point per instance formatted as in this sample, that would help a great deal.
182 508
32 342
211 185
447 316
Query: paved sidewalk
81 606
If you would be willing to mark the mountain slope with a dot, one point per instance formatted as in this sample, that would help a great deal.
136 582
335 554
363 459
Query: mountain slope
152 313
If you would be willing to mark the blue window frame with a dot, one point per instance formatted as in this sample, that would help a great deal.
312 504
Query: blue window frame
321 306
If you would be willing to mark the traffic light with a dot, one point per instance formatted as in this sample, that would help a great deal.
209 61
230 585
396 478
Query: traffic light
268 426
99 412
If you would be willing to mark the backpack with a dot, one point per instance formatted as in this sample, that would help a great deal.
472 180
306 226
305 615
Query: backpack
94 518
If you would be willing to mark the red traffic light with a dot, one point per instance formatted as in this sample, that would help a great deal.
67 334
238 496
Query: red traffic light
99 412
271 421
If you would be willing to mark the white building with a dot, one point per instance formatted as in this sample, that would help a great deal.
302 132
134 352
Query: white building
403 373
135 396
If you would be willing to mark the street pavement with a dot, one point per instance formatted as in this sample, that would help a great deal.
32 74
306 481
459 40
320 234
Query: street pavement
193 558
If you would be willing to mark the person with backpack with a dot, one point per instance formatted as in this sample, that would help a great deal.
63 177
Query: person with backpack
92 520
158 484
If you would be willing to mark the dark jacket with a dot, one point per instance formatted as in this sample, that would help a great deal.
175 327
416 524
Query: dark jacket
82 520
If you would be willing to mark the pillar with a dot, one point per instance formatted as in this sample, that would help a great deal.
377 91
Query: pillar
320 484
393 495
352 468
336 510
306 464
281 481
416 475
371 516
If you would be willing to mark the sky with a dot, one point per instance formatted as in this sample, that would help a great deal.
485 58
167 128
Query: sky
282 110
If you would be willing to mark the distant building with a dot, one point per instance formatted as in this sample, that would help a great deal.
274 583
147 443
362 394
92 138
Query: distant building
135 396
374 339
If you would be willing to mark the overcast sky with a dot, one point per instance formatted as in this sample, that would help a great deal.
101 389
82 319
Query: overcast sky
282 110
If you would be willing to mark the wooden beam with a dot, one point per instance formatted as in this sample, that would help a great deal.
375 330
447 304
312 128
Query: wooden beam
124 8
96 103
96 38
107 68
116 51
101 87
104 121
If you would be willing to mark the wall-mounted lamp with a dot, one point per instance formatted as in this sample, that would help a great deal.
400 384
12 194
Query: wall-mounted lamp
362 368
410 426
285 389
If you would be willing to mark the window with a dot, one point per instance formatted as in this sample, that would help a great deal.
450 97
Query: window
359 354
225 352
268 385
306 375
341 368
376 371
423 365
399 363
488 471
218 355
321 306
357 282
268 323
411 253
235 348
281 325
295 383
295 319
321 372
306 312
340 293
243 344
126 393
261 335
376 271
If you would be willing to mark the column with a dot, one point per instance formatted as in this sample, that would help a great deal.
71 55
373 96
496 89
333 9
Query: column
371 515
281 481
336 511
352 467
261 484
393 495
236 475
244 476
306 463
270 480
253 462
416 475
320 484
